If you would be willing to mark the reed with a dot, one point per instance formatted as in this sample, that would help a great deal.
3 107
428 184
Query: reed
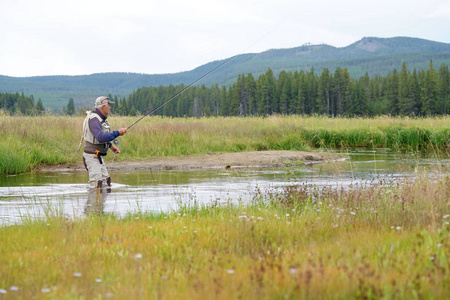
380 240
27 142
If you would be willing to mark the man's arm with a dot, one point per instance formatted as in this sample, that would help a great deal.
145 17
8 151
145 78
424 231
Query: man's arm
97 131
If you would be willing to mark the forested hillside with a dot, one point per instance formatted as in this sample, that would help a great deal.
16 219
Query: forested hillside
374 56
404 92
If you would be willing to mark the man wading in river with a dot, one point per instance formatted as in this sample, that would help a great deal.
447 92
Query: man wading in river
98 137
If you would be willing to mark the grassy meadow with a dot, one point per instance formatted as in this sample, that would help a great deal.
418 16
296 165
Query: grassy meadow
384 240
27 142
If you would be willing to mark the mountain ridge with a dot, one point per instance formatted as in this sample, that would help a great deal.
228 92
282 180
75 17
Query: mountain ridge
372 55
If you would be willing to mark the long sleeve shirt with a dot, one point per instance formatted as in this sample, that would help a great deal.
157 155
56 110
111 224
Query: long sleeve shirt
97 131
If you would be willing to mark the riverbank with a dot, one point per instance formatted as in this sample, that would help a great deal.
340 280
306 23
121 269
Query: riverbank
252 159
384 240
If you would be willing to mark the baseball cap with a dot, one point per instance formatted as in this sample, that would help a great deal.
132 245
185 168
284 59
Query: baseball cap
102 100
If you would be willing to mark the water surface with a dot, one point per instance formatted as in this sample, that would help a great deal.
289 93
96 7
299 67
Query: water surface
37 194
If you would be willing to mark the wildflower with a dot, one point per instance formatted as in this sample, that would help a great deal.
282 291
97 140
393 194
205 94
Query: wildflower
439 245
287 215
260 219
432 258
398 228
98 280
292 270
150 227
137 218
2 291
14 288
446 216
164 278
392 227
138 256
230 271
195 231
45 290
243 217
353 213
334 226
48 224
76 274
109 295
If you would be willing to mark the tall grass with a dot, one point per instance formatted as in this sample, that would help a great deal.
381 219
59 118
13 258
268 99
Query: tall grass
381 240
27 142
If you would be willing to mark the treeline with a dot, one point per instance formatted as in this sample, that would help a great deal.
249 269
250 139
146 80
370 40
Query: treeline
19 104
404 93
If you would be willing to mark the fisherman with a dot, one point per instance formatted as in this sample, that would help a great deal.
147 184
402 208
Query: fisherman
98 137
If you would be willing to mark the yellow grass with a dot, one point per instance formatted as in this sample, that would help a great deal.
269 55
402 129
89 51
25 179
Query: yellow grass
370 243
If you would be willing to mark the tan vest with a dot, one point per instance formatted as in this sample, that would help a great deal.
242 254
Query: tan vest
91 142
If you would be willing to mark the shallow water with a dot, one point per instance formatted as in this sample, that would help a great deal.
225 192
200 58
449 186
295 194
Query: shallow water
35 195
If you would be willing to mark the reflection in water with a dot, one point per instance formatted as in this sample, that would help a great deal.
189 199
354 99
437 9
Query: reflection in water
38 194
96 200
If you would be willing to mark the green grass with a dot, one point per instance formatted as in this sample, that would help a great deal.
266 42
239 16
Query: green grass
376 241
27 142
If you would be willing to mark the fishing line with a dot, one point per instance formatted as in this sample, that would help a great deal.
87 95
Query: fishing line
203 76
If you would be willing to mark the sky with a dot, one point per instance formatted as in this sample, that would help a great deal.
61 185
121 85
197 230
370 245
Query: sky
80 37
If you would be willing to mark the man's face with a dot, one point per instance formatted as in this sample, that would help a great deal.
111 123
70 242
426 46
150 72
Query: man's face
105 109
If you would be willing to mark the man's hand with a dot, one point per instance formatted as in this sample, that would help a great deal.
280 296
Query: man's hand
115 149
122 131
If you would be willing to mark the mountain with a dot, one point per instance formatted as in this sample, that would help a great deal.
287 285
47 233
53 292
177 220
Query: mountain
372 55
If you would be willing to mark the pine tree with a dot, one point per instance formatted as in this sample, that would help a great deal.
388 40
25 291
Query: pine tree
404 101
444 87
70 107
324 93
429 92
40 109
392 92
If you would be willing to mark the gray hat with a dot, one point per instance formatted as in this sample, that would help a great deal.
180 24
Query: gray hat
102 100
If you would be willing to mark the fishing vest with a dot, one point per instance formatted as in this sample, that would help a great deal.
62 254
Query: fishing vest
91 143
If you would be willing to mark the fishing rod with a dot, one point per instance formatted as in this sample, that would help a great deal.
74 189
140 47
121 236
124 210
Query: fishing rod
184 89
201 77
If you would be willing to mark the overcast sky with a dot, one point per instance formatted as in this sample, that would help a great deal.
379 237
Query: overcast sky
78 37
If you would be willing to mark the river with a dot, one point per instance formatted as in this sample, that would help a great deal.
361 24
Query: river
34 195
